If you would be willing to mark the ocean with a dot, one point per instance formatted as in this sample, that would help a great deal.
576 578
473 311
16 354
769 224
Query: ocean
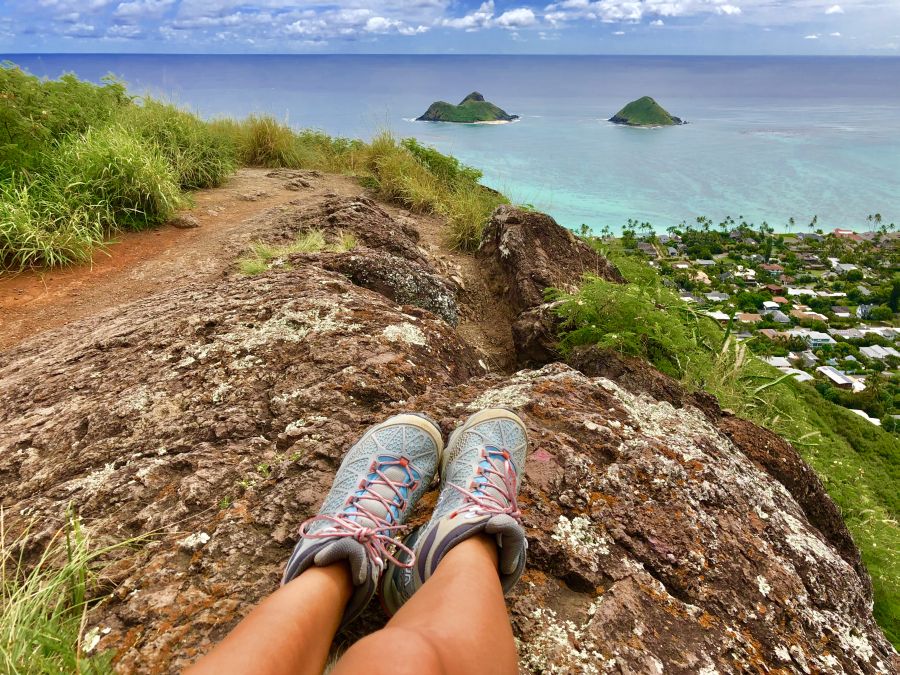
769 138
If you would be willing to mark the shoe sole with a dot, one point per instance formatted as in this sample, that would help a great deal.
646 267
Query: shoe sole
478 418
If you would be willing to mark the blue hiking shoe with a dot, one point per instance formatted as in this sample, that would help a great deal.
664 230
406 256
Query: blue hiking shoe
376 487
480 479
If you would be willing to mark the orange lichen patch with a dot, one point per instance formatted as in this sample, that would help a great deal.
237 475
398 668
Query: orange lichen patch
536 577
707 620
611 500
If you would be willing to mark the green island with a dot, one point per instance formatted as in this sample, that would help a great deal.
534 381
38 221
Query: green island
645 112
473 109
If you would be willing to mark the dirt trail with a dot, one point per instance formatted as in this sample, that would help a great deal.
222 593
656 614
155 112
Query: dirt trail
140 264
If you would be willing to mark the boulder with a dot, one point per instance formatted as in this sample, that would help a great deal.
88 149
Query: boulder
528 252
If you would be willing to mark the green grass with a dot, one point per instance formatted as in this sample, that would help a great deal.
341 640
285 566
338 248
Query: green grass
473 108
81 162
261 255
857 462
44 605
644 112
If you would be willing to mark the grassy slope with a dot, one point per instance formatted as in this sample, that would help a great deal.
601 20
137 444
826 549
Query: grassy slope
644 112
858 462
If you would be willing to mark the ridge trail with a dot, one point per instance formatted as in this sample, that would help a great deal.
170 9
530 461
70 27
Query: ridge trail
139 264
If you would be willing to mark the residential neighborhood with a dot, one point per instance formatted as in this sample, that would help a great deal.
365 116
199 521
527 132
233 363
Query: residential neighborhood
820 306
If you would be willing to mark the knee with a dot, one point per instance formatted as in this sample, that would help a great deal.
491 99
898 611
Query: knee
394 650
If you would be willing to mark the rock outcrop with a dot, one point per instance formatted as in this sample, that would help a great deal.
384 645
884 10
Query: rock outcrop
664 534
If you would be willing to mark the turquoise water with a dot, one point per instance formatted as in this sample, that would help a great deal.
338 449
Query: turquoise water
769 137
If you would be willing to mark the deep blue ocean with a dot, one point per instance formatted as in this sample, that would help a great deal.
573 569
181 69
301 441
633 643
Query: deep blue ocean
769 137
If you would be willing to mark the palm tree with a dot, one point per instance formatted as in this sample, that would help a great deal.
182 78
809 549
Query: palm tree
791 223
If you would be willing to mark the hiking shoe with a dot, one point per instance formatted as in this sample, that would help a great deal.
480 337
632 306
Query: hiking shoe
480 478
376 487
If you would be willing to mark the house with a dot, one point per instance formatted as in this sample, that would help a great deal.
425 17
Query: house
773 288
799 375
808 359
669 238
865 416
878 352
837 378
831 294
648 249
769 333
777 361
841 312
849 235
748 318
796 292
785 279
862 311
781 300
716 296
705 263
779 317
681 265
719 316
864 291
687 297
843 268
815 339
772 268
810 236
671 252
848 334
800 315
770 304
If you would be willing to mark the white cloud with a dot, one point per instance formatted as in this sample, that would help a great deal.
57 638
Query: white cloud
728 10
835 9
379 24
619 32
517 18
81 30
835 34
658 22
810 37
480 18
143 9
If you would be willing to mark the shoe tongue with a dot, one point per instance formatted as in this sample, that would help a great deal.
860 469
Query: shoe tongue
395 474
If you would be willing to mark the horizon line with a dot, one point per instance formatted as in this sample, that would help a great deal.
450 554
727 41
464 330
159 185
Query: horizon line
460 54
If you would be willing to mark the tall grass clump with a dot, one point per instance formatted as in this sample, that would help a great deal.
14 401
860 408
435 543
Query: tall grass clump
198 153
857 462
129 183
263 141
44 605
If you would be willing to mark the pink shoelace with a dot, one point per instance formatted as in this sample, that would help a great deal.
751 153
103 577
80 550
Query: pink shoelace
490 505
376 538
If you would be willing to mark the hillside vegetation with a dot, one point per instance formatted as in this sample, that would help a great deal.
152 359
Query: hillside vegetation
858 462
644 112
473 108
80 162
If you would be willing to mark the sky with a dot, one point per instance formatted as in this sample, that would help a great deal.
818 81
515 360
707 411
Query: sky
813 27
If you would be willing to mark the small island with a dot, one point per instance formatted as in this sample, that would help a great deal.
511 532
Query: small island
473 109
645 112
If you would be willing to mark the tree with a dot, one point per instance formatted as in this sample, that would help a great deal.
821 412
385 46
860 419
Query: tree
881 313
894 300
813 223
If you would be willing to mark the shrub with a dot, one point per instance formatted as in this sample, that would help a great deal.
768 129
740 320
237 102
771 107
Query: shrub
263 141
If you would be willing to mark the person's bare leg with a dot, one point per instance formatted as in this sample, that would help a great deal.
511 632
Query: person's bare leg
455 623
289 632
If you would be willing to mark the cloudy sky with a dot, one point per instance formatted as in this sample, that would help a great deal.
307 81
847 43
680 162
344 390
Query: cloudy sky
870 27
